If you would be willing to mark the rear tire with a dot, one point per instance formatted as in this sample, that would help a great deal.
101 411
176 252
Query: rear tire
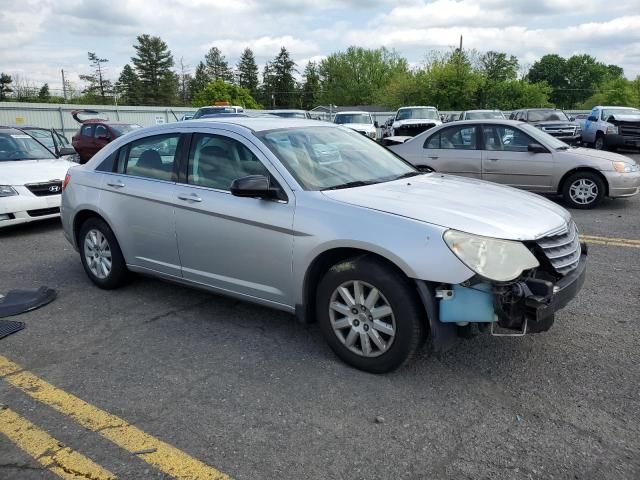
583 190
369 315
101 256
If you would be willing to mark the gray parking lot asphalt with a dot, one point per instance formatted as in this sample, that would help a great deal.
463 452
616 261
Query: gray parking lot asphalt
159 381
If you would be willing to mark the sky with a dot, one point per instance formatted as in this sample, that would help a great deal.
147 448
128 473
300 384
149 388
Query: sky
40 37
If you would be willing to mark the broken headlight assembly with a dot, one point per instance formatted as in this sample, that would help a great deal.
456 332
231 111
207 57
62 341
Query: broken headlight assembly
491 258
7 191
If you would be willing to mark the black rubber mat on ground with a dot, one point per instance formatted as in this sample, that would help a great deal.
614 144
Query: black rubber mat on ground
24 299
7 327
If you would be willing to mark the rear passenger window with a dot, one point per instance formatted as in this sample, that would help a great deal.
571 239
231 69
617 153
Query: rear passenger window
215 161
85 131
151 157
433 141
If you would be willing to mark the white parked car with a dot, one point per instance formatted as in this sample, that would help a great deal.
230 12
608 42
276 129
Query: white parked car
30 179
361 122
410 121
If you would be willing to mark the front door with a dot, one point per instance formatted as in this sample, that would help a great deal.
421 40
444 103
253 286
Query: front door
138 200
234 244
506 159
454 150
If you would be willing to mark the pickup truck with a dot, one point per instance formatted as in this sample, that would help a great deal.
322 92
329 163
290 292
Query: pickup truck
609 128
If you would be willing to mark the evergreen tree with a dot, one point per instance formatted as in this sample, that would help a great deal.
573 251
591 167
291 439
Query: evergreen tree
283 84
200 80
43 94
128 86
247 72
310 86
153 62
5 85
217 66
98 85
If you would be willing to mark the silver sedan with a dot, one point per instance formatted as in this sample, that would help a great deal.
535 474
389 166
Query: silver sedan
317 220
520 155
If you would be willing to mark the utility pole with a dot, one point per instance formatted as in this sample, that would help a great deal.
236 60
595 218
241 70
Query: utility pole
64 86
460 43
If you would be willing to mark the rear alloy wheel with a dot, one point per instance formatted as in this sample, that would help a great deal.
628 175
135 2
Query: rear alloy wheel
100 254
583 190
369 315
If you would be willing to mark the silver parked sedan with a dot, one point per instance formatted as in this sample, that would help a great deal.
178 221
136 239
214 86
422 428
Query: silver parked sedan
520 155
317 220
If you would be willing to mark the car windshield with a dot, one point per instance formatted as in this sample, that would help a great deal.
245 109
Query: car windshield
606 113
483 115
417 113
20 146
343 118
288 114
122 128
544 138
546 115
322 158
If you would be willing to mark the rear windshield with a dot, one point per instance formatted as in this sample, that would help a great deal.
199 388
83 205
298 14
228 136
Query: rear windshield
343 118
483 115
212 110
288 114
20 146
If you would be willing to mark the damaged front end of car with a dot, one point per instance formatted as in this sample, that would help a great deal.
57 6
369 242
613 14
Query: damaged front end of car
552 273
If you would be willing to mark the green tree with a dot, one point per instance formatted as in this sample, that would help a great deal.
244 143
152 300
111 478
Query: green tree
200 79
220 91
551 69
247 72
217 66
5 85
44 94
98 86
513 94
279 80
497 67
153 63
583 73
310 86
616 91
358 75
128 86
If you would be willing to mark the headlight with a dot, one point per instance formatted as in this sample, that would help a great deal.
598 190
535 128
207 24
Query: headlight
624 167
7 191
499 260
612 129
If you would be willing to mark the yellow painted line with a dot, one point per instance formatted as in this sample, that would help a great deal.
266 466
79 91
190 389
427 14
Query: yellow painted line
161 455
593 238
51 454
611 244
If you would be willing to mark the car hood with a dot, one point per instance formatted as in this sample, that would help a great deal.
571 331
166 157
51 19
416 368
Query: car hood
359 126
33 171
596 154
464 204
416 121
626 118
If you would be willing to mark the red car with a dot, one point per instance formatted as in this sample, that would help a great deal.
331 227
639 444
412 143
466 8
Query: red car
96 131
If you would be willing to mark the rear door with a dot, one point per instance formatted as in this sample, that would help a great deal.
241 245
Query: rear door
454 150
507 160
137 199
84 142
234 244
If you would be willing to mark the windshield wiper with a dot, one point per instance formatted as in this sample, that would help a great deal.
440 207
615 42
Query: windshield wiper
406 175
563 147
356 183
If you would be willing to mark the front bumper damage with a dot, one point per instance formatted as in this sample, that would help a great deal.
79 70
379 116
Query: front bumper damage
527 305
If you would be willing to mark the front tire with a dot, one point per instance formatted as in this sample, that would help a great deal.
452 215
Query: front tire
599 143
369 315
583 190
101 256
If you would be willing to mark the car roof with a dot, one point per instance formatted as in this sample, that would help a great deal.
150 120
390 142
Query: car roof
418 106
285 110
106 122
541 108
25 127
254 124
353 112
498 121
483 110
613 106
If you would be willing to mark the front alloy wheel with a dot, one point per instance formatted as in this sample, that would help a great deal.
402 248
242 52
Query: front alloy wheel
583 190
362 318
97 253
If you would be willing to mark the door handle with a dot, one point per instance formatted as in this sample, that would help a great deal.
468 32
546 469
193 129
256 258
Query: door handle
190 198
434 158
494 159
117 184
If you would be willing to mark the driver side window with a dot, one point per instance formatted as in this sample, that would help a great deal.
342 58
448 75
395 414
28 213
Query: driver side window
507 139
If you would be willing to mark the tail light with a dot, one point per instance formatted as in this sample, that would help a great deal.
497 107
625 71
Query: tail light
67 179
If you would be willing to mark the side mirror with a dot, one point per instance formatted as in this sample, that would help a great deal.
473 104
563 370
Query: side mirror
375 123
63 151
572 119
255 186
536 148
591 118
